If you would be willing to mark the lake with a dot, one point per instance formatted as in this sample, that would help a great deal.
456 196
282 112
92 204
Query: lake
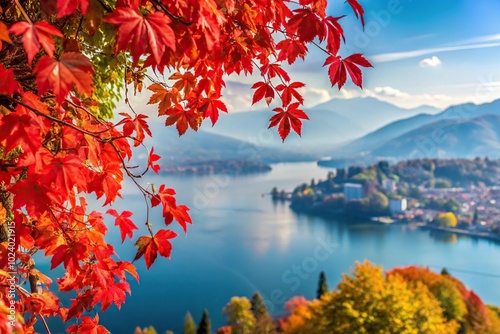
242 242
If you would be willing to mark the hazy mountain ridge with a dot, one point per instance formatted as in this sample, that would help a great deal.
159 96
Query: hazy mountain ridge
374 142
371 113
457 137
459 131
323 128
332 123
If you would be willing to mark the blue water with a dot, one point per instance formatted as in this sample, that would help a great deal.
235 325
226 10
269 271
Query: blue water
242 242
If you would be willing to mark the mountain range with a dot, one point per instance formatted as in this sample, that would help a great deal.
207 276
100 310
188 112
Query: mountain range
331 123
388 140
371 113
465 130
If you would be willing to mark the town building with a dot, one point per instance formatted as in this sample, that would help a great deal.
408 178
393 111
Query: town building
353 191
397 205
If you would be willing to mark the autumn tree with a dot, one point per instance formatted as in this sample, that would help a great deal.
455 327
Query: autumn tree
240 316
189 325
447 219
443 287
371 302
299 318
64 64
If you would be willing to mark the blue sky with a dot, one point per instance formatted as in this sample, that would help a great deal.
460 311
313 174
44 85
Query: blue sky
436 52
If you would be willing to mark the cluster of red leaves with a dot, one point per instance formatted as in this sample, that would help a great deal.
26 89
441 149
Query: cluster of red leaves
54 151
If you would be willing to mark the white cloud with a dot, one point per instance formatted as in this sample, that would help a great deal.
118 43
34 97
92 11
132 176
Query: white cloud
400 98
407 100
430 62
314 96
480 39
388 57
391 92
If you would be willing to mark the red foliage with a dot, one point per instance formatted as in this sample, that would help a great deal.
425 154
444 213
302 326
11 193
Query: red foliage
55 151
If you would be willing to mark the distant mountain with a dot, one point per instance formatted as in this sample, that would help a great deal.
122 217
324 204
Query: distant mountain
457 137
324 129
371 113
378 138
204 146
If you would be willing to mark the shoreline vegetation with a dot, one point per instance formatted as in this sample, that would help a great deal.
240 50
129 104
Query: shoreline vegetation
458 196
367 300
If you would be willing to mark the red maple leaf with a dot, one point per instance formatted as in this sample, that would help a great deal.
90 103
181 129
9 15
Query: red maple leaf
290 91
305 23
165 97
141 34
151 246
88 326
290 49
114 293
273 70
339 67
171 210
19 128
183 118
151 159
286 119
137 124
7 83
69 254
34 196
73 69
332 31
108 182
35 36
210 107
122 220
65 7
263 90
63 172
358 9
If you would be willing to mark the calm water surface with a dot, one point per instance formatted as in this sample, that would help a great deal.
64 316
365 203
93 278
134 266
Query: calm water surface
242 242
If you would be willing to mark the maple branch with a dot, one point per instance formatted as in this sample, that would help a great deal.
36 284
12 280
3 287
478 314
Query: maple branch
166 11
58 223
105 6
286 33
57 120
79 27
22 11
42 318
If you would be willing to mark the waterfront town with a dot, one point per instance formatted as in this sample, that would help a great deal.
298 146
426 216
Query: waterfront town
457 195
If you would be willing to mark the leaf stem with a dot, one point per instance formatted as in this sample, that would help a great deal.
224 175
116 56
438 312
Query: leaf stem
23 11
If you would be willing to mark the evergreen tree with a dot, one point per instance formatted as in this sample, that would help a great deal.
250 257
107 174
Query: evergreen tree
259 309
189 325
475 218
445 272
264 322
204 326
323 285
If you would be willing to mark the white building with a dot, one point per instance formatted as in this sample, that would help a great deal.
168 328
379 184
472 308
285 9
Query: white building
397 205
353 191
